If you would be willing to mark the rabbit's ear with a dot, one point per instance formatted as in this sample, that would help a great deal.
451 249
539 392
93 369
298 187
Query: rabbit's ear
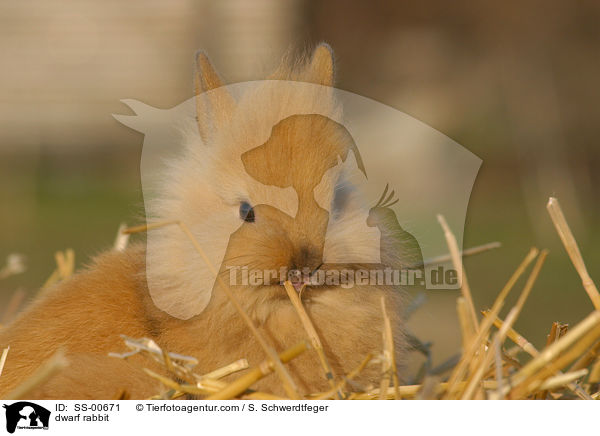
321 67
214 104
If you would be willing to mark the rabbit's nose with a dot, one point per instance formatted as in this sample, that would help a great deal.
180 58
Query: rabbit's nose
306 257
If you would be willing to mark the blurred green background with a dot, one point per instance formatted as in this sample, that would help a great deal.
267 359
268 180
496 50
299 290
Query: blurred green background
515 83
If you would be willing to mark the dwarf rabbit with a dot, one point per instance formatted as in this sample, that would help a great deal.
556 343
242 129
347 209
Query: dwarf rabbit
287 195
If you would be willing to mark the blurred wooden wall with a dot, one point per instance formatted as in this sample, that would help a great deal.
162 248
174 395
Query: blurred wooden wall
67 63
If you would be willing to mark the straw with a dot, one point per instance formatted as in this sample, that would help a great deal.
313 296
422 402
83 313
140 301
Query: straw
313 336
389 352
122 239
499 366
265 368
412 390
523 343
65 266
595 373
579 336
457 262
341 384
238 365
587 359
562 380
556 331
3 359
466 326
510 319
568 240
13 306
465 253
288 383
483 370
183 388
526 346
65 262
486 324
56 363
262 396
15 264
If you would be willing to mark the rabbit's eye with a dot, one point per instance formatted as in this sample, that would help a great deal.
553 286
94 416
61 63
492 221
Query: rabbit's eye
246 212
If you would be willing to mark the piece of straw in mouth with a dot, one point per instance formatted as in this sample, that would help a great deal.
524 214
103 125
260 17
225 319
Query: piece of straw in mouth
310 330
288 382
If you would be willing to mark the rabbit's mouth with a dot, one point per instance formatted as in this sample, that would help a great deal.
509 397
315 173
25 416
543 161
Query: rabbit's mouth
299 284
300 279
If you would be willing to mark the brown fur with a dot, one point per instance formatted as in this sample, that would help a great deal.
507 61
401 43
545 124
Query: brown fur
86 314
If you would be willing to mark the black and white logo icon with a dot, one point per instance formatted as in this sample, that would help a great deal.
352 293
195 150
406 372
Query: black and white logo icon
26 415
